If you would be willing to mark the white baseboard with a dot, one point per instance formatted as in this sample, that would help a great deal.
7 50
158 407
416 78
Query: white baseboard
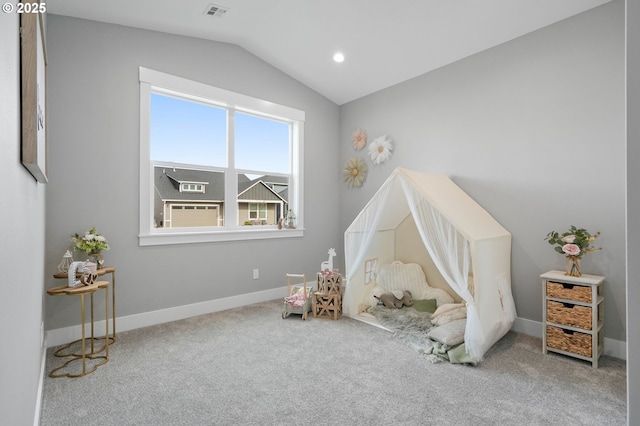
64 335
614 348
38 407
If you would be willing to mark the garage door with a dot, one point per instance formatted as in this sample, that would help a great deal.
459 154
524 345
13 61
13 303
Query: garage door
192 216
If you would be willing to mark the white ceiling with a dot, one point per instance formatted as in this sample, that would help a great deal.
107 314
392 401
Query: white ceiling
384 42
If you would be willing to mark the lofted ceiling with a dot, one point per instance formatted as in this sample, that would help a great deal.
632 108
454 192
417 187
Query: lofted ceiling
384 42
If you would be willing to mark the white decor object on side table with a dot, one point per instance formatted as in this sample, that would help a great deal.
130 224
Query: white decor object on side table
67 259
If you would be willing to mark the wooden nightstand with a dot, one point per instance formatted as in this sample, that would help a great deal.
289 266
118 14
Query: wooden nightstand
573 315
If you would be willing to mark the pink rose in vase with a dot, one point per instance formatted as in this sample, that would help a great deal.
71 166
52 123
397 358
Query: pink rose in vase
571 249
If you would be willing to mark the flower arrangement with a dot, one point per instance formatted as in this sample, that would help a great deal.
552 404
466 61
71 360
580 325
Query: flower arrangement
90 242
359 139
574 244
380 149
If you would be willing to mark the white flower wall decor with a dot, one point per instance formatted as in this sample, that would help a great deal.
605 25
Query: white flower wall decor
380 149
359 139
355 172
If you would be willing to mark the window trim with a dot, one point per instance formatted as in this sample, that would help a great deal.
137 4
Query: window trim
159 82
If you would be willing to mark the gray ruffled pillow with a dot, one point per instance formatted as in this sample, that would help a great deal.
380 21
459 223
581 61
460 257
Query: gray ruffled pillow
449 334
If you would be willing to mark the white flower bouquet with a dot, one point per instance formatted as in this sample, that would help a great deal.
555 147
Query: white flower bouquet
90 242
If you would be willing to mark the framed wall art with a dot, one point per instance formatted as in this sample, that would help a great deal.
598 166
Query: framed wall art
33 57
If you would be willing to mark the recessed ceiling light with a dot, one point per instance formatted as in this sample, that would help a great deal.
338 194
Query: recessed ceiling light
338 57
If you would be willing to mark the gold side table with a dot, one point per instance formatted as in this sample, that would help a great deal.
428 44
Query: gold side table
84 355
101 272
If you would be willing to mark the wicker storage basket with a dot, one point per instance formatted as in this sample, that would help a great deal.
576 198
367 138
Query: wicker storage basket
579 293
569 341
569 314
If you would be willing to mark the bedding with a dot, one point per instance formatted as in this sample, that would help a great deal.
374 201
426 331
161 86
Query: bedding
433 325
456 313
446 308
425 305
450 334
410 276
416 330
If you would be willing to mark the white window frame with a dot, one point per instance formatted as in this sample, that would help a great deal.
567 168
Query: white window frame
159 82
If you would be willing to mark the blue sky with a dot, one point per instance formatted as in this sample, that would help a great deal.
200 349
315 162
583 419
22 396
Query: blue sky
193 133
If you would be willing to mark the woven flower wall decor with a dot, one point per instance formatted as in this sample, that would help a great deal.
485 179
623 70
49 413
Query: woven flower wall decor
380 149
359 139
355 172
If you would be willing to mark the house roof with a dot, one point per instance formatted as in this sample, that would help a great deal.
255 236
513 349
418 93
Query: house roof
259 191
167 182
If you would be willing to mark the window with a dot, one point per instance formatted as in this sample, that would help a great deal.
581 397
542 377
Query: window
192 187
215 165
370 270
258 211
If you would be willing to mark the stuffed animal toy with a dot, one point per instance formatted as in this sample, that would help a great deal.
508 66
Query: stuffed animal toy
396 299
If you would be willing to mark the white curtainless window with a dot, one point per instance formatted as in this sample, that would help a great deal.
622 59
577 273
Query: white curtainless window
216 165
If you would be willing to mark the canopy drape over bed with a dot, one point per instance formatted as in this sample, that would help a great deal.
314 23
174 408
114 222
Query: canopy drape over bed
462 239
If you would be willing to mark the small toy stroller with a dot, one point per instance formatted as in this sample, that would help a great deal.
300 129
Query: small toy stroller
298 299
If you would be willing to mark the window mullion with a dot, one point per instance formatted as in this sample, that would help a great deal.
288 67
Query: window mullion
231 178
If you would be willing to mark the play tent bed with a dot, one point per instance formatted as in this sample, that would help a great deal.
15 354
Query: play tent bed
428 220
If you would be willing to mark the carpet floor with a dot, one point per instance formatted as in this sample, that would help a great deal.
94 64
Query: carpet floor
248 366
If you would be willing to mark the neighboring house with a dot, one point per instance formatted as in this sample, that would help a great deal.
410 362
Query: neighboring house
261 200
193 198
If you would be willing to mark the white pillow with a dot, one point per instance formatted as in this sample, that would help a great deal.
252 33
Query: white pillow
400 276
446 308
450 334
410 276
446 317
374 292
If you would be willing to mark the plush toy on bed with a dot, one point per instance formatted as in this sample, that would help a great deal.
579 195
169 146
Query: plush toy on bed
396 299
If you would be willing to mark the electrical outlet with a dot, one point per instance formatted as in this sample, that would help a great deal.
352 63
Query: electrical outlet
256 274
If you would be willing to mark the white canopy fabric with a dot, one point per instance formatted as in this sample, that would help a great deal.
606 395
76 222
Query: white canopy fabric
462 239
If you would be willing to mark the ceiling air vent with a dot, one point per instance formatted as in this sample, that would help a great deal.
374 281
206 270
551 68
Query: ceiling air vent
215 10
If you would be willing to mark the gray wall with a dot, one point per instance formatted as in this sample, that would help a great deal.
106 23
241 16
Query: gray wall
534 130
105 134
94 137
22 244
633 210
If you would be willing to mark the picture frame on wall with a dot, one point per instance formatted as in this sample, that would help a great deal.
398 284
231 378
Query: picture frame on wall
33 57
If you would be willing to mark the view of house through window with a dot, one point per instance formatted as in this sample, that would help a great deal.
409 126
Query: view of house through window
215 164
190 145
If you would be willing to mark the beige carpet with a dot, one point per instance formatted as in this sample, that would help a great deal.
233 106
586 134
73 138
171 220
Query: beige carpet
248 366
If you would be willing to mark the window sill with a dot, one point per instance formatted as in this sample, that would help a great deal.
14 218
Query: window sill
186 237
